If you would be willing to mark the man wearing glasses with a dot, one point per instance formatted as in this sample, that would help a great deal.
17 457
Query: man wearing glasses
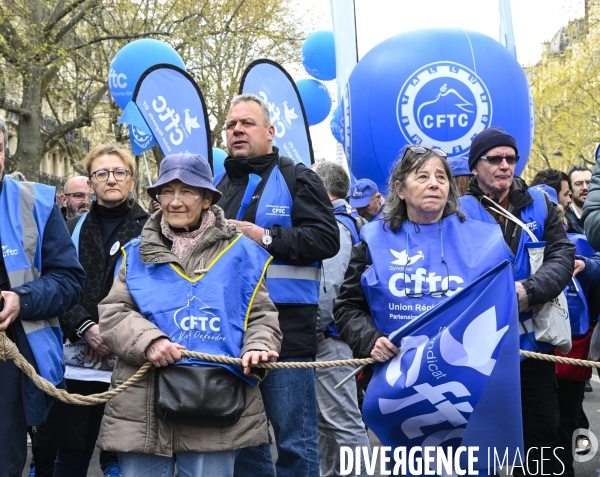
580 177
492 159
75 199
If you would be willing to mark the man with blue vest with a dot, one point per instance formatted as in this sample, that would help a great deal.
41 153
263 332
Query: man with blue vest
40 278
340 420
366 199
492 159
284 208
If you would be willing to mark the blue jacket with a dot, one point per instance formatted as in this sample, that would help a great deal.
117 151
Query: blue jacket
54 292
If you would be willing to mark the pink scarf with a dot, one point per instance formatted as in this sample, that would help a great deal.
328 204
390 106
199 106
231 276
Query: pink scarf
184 242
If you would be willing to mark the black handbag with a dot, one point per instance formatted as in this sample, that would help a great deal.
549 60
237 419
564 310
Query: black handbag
199 395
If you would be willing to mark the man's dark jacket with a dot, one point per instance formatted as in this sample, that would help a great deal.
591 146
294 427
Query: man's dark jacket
313 237
575 224
559 255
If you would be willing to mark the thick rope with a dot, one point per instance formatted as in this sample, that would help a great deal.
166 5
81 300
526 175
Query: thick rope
8 350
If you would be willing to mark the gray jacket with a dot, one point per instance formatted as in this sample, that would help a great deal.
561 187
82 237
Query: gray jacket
332 277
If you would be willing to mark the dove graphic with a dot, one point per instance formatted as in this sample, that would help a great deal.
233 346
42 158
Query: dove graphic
479 342
190 123
403 259
288 113
394 369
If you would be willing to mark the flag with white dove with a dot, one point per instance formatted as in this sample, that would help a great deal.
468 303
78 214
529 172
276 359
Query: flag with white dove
455 381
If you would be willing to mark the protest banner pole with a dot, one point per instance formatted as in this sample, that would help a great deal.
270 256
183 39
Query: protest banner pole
350 376
147 169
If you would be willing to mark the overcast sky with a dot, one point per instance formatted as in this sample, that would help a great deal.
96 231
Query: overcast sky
534 22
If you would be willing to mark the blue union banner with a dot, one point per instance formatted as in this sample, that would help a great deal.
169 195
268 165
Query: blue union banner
174 110
271 83
455 381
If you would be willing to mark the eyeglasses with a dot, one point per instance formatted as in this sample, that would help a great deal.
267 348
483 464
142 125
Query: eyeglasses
436 293
102 174
188 198
78 195
511 159
580 183
423 150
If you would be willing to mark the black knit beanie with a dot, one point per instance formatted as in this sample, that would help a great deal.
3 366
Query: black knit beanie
489 139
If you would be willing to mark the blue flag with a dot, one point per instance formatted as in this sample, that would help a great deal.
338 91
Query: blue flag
455 381
173 107
271 83
139 133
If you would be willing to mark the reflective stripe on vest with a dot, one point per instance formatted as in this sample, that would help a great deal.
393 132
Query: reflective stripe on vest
25 208
398 284
287 284
534 216
209 313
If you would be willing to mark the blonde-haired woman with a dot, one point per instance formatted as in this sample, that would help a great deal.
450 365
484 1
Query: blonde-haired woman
113 220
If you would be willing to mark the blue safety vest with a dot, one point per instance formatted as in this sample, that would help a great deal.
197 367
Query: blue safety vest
25 208
579 314
343 216
207 314
534 216
407 265
287 283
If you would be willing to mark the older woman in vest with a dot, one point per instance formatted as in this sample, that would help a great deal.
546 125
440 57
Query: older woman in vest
415 253
421 252
191 282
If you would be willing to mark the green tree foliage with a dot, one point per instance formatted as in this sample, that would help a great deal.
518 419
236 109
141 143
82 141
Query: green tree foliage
55 57
566 93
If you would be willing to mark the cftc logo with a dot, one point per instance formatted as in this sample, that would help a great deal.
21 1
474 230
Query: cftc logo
444 104
140 137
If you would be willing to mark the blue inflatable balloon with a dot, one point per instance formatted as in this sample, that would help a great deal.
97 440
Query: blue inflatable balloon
336 126
316 100
219 156
435 87
131 61
318 55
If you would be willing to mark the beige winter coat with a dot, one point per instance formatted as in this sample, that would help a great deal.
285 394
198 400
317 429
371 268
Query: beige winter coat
129 423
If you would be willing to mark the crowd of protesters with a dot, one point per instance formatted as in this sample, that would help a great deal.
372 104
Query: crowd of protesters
294 275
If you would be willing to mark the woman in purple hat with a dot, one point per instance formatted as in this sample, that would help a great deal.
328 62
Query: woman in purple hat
191 282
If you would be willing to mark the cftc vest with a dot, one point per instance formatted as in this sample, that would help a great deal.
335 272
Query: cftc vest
25 208
408 277
207 314
576 295
534 216
287 284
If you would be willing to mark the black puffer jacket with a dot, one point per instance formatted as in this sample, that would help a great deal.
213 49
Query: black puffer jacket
591 210
559 254
313 237
99 269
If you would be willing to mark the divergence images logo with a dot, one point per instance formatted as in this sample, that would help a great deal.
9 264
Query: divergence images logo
444 104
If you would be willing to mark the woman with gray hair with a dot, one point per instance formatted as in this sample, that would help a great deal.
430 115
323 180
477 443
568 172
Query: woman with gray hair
421 252
192 281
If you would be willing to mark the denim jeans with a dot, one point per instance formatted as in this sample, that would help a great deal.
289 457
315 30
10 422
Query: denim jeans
291 404
189 464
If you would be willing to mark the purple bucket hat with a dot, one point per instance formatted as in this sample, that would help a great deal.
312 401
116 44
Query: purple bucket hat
191 169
